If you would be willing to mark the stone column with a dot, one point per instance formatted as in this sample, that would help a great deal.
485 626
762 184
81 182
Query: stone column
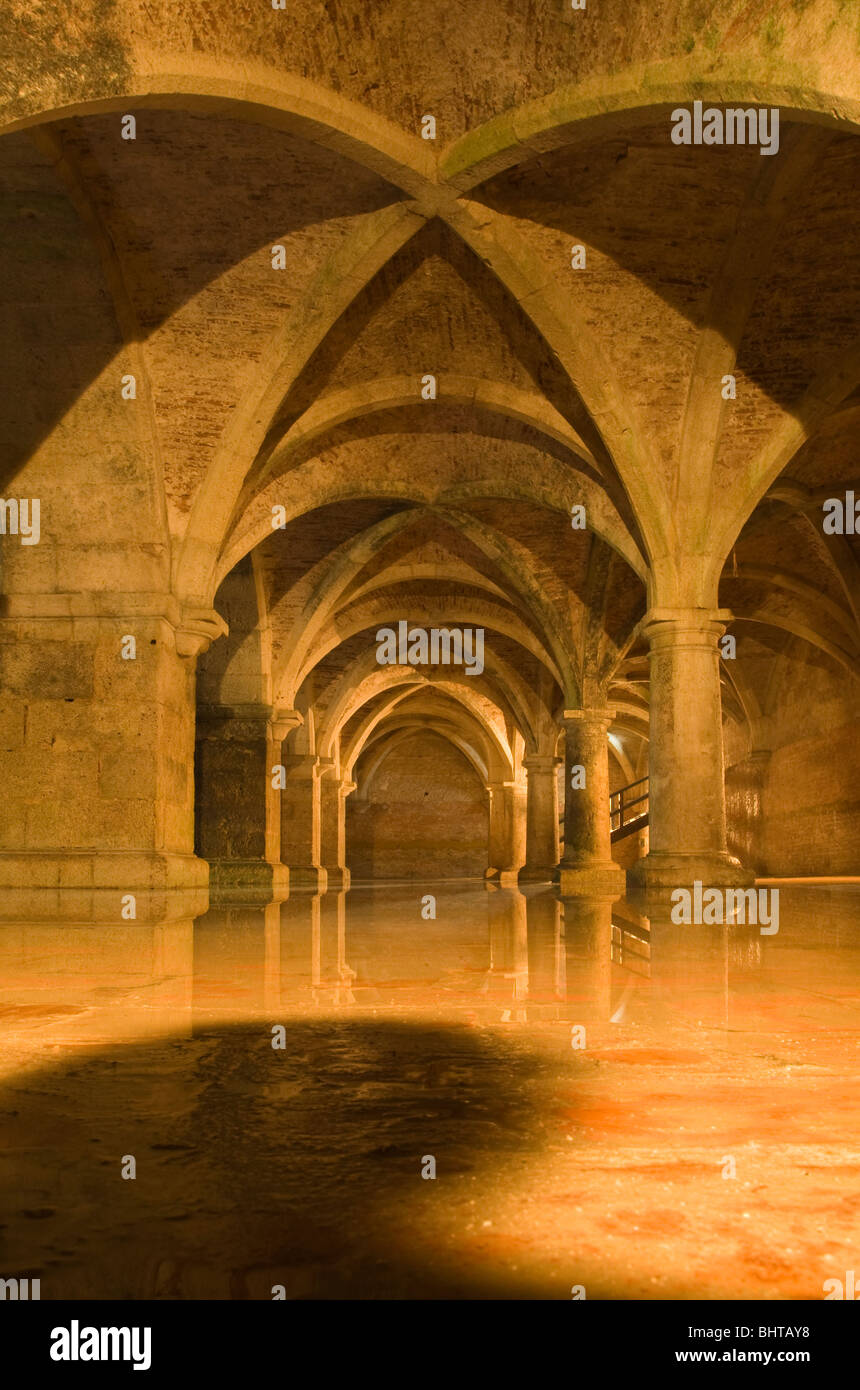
541 818
686 795
506 846
587 865
301 820
236 810
333 793
97 755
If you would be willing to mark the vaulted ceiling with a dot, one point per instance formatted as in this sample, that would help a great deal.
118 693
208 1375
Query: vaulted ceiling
304 387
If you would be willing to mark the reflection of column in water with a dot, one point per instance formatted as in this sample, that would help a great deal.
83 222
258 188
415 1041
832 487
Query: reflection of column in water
688 966
170 997
335 974
546 963
298 914
345 972
316 942
230 961
112 980
272 956
694 966
509 943
587 944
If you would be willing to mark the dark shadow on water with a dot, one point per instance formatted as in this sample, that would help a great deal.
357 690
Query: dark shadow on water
257 1166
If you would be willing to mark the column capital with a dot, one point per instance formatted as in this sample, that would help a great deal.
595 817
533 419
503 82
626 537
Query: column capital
593 714
541 762
673 627
283 721
197 630
86 615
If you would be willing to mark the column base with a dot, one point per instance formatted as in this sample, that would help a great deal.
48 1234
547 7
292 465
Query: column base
337 877
659 873
598 879
502 878
91 885
536 873
247 880
122 870
308 876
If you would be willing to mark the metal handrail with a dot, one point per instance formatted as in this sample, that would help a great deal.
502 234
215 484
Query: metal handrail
621 802
624 804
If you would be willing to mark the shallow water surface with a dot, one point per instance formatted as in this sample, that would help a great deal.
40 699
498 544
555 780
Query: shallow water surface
584 1080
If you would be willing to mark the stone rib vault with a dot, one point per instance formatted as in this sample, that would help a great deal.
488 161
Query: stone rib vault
281 372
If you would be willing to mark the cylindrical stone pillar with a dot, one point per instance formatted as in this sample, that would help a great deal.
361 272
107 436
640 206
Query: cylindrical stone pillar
686 794
541 818
587 865
236 810
300 821
333 793
506 837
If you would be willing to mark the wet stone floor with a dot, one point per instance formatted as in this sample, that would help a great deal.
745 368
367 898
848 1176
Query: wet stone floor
639 1109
